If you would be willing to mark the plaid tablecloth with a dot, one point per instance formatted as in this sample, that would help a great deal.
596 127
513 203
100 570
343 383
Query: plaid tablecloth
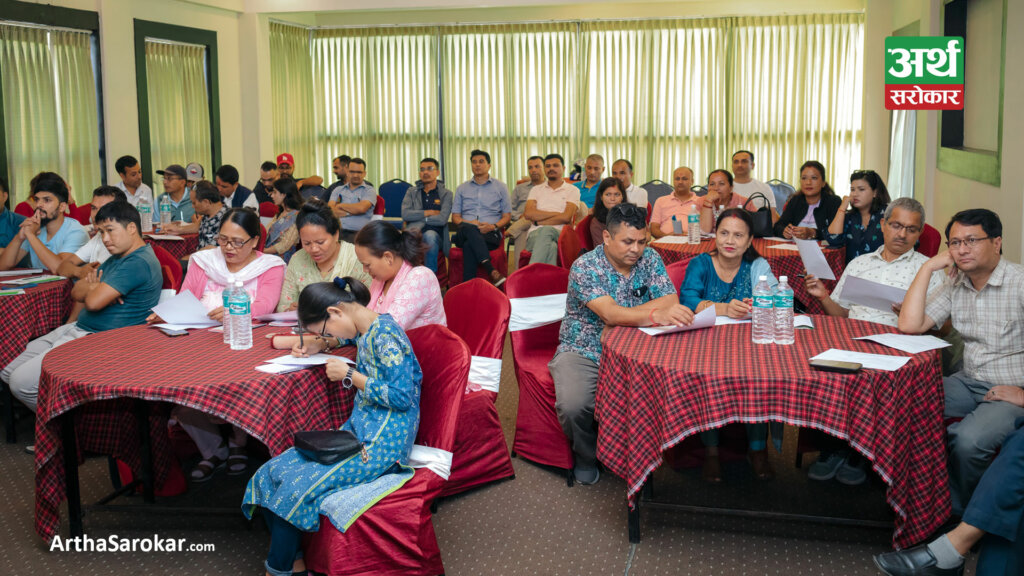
99 375
783 263
30 315
653 392
178 248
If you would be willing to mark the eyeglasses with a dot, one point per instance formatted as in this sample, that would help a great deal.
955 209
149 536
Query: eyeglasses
969 242
897 228
223 240
427 168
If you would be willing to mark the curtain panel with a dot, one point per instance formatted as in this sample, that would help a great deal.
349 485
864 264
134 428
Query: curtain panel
179 105
291 97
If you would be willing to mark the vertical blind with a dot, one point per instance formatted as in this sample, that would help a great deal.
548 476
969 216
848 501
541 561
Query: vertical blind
179 104
50 111
661 93
291 95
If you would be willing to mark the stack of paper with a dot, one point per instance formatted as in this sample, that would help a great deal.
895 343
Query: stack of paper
672 240
22 272
289 363
871 294
183 312
165 237
907 343
814 259
873 361
705 319
33 280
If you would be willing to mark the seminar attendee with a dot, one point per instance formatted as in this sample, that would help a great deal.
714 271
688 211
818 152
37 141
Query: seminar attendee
89 257
282 236
725 279
720 196
401 286
235 195
339 166
520 194
323 254
857 223
291 488
120 293
610 193
48 236
676 205
353 202
10 222
810 210
480 210
175 190
551 206
604 291
635 195
209 204
985 300
130 171
194 172
286 167
746 185
268 175
593 168
426 207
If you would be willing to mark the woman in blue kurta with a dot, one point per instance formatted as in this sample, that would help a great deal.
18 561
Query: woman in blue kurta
385 417
858 222
725 279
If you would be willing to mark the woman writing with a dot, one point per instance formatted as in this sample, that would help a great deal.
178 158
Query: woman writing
385 416
725 279
282 236
810 211
857 224
610 193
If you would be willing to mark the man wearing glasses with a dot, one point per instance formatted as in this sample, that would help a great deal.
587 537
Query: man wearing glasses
427 207
985 300
182 210
210 205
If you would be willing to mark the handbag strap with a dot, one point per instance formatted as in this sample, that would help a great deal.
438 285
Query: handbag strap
767 204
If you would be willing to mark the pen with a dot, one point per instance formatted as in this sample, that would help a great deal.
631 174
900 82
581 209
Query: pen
301 343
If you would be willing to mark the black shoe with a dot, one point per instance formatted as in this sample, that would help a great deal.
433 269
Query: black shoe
916 561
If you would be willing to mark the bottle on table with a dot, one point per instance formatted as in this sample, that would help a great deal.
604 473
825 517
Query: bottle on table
226 321
784 331
241 318
718 212
146 213
165 211
762 326
693 225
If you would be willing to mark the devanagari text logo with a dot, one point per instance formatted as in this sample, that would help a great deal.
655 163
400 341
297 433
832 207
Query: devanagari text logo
924 73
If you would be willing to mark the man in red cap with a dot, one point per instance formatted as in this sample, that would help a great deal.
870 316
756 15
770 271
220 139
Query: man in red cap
286 167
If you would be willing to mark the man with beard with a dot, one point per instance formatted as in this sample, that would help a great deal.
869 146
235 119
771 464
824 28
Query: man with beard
551 206
47 237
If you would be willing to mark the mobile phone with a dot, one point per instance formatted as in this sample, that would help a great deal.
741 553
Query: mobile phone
173 333
836 366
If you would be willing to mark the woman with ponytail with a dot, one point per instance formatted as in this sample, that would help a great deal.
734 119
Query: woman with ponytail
291 488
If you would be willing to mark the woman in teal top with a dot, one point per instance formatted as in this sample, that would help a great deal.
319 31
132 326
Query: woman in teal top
725 279
385 417
10 222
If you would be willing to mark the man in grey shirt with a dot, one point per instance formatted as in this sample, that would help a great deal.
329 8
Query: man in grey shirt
426 207
535 168
353 202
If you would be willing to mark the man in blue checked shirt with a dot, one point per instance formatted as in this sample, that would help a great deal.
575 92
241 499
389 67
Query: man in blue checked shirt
481 211
353 202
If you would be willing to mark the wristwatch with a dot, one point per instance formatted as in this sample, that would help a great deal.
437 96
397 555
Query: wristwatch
346 382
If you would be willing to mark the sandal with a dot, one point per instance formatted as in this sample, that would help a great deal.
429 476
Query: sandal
205 469
238 460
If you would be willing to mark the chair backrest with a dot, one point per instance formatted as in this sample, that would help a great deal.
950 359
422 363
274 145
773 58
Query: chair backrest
650 212
656 189
583 233
676 272
268 209
393 192
315 192
537 280
699 190
380 207
930 241
82 214
170 267
444 360
782 192
478 313
263 238
25 209
568 246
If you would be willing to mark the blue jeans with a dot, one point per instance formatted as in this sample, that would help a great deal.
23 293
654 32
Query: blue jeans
433 241
285 542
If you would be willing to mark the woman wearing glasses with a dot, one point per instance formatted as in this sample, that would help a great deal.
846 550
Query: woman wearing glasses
208 274
858 222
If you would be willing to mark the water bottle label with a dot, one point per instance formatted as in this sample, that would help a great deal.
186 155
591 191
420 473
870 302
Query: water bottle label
143 209
783 300
763 301
692 218
165 208
239 308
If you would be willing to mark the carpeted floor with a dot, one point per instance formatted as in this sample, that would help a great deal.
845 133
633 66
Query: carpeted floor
533 524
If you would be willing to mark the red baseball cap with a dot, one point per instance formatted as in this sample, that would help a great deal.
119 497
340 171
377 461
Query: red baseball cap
285 158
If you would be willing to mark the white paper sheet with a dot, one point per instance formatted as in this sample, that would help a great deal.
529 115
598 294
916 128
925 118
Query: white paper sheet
34 280
908 343
778 239
290 316
814 259
792 247
725 320
672 240
705 319
25 272
169 326
871 294
802 321
873 361
165 237
314 360
184 309
279 368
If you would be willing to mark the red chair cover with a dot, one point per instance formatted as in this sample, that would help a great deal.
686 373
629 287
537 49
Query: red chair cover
378 208
583 233
455 261
930 241
25 209
396 535
82 214
677 271
268 209
478 313
442 270
539 436
568 246
263 238
650 210
171 267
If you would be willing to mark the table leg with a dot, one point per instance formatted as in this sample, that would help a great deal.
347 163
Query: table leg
8 400
634 522
70 446
145 449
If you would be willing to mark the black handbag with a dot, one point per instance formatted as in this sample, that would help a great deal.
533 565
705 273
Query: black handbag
328 446
762 217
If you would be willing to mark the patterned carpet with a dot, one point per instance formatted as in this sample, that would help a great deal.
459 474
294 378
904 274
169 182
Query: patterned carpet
533 524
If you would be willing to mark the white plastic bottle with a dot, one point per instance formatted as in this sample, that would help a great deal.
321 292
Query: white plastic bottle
693 225
784 332
241 318
762 324
165 211
146 213
226 320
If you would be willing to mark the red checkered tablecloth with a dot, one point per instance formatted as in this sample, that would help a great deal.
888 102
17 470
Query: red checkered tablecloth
178 248
783 263
30 315
653 392
99 375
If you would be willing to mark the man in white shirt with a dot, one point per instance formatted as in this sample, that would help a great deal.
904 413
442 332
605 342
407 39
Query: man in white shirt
130 171
520 195
623 170
551 206
235 195
745 185
88 258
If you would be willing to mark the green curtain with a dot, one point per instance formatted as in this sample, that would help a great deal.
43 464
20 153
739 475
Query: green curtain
50 110
291 97
179 105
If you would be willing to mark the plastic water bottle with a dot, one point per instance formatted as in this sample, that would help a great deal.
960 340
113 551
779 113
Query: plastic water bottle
718 211
146 212
763 322
226 294
241 319
784 312
165 211
693 225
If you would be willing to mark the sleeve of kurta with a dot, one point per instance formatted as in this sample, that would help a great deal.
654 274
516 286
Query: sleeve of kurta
396 373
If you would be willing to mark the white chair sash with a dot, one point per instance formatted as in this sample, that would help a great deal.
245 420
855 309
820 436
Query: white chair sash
485 372
536 311
436 460
167 294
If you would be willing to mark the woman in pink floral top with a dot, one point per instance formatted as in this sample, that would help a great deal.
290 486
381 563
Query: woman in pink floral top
402 286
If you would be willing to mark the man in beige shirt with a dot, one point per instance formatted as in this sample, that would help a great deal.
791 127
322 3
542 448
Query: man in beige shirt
520 195
551 206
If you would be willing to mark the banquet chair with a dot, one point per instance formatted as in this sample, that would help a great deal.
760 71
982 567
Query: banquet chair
930 241
379 208
699 190
393 192
263 238
478 313
583 233
568 248
782 192
25 209
170 266
656 189
677 272
539 436
396 535
82 214
455 263
268 209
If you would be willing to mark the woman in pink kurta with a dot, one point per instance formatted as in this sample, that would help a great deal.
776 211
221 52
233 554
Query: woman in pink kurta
402 286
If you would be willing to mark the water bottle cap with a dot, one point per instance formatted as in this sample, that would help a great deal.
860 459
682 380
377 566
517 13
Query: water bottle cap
762 278
721 206
783 278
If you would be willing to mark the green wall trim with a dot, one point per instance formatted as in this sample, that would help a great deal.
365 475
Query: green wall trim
979 165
